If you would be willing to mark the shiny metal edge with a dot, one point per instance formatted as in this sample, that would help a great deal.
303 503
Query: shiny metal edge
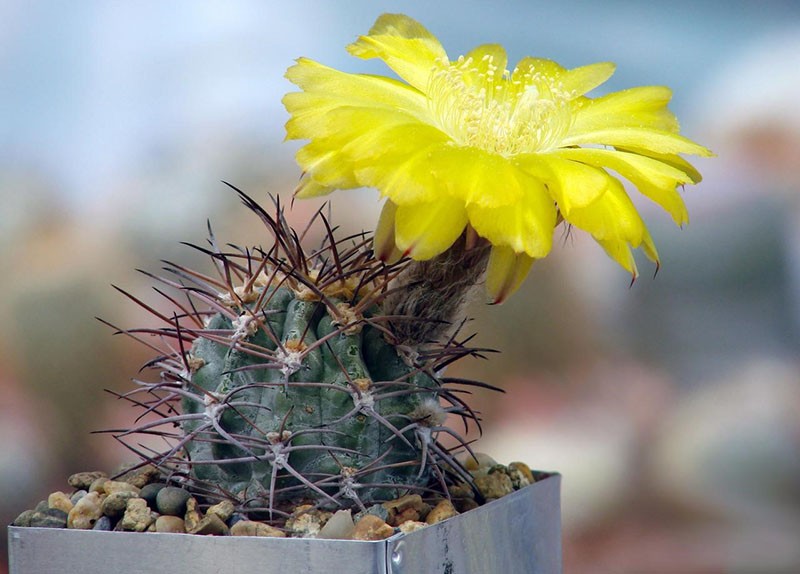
517 534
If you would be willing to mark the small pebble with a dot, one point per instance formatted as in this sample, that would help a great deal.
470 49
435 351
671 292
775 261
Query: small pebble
412 526
141 477
520 474
138 516
306 521
85 512
24 519
441 511
103 523
461 490
83 480
115 504
60 501
224 510
150 491
494 485
210 524
409 507
41 506
50 518
172 524
76 496
237 517
378 510
479 461
192 517
372 528
252 528
172 500
98 485
340 526
113 486
465 504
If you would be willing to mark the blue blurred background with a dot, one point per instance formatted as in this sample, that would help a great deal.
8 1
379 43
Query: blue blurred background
671 407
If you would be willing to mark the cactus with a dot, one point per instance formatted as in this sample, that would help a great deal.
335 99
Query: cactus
287 384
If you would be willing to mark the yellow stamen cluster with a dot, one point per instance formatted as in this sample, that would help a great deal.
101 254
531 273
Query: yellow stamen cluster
502 112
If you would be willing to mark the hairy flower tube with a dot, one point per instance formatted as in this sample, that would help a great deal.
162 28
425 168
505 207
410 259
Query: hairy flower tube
467 144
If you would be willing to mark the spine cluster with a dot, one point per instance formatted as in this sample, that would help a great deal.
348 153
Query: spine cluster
283 379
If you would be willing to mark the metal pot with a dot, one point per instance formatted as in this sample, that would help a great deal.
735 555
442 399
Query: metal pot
517 534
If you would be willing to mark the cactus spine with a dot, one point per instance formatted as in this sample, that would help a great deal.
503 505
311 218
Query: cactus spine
287 383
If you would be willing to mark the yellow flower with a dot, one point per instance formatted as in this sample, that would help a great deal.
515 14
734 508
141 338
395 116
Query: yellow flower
469 143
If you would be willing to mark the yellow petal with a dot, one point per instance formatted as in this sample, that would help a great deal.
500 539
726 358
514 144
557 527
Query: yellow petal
579 81
333 87
525 226
310 188
620 252
673 160
528 68
655 179
404 44
399 165
478 177
656 140
572 184
505 272
383 242
611 216
427 229
347 135
641 107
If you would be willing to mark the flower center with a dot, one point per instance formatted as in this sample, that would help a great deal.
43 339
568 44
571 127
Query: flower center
498 111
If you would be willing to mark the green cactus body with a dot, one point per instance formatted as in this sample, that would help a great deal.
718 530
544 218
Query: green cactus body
320 412
287 386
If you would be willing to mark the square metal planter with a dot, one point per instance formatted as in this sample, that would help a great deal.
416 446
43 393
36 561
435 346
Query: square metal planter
517 534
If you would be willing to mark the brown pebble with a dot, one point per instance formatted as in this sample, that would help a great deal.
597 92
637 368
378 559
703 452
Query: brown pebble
465 504
173 524
192 517
494 485
441 511
461 490
60 501
520 474
224 510
98 485
115 504
141 477
408 507
83 480
85 512
412 526
253 528
370 527
138 517
210 524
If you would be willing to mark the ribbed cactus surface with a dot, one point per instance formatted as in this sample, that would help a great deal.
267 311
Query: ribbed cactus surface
284 379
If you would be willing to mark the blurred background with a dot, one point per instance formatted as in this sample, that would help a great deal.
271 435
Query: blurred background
671 407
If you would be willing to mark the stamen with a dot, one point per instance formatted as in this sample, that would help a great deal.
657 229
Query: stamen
507 114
